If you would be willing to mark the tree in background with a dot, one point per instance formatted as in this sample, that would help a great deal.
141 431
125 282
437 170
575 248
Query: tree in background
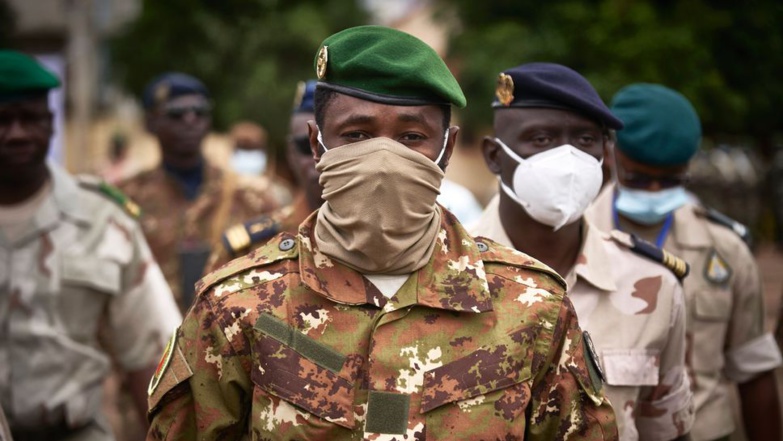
250 53
726 56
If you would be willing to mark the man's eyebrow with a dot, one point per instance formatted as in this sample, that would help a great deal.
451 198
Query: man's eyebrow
412 117
356 119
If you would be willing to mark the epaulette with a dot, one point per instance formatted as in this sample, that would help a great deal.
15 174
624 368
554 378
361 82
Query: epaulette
676 265
238 238
492 251
97 184
719 218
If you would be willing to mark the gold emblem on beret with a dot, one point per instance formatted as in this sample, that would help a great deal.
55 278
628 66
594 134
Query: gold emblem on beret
505 89
323 57
300 91
162 92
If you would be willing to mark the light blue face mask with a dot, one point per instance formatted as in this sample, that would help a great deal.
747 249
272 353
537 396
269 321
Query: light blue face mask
649 207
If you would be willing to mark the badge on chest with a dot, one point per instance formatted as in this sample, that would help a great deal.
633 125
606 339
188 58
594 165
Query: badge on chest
717 270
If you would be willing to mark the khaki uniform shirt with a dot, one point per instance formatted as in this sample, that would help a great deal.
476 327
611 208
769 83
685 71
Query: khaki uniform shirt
288 344
725 306
634 310
82 266
174 224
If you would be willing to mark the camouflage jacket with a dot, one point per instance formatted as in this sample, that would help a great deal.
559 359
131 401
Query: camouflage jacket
288 344
174 224
77 285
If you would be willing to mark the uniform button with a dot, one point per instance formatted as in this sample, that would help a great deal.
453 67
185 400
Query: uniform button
482 246
286 244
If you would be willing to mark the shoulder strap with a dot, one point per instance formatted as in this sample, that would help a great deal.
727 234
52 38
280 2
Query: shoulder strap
238 238
94 183
639 246
719 218
492 251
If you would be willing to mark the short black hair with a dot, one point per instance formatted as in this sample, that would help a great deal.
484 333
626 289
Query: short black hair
324 95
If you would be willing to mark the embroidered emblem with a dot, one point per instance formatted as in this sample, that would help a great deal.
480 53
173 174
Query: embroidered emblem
165 360
323 58
593 361
505 89
717 271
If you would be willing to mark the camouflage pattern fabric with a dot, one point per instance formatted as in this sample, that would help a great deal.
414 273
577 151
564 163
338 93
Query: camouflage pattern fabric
172 223
284 220
726 341
81 268
634 309
288 344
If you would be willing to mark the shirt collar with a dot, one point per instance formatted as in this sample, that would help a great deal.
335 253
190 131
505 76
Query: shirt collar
66 197
688 230
453 279
593 264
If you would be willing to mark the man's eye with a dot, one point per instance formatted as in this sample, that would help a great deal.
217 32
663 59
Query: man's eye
542 140
587 140
412 137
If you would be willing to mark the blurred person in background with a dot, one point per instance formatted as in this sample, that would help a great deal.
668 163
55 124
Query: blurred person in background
241 238
118 165
250 148
727 342
78 284
186 201
551 131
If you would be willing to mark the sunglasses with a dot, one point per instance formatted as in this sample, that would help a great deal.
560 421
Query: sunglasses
179 112
302 144
642 181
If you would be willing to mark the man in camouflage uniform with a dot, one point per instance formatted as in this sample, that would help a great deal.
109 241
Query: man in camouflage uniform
548 117
725 330
186 201
381 319
73 265
239 239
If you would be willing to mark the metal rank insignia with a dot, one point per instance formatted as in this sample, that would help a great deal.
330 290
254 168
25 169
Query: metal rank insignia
300 91
323 58
716 270
162 93
505 89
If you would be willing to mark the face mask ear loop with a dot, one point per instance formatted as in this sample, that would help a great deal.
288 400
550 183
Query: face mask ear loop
443 149
321 139
509 152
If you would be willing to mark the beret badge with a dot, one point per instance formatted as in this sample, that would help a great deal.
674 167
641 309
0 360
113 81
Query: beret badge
162 92
505 89
323 57
300 91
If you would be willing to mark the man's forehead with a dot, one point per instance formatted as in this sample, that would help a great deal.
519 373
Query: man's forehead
185 100
527 116
346 108
27 103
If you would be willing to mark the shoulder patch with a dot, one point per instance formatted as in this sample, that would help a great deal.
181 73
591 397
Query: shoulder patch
491 251
281 247
98 185
676 265
719 218
238 238
717 270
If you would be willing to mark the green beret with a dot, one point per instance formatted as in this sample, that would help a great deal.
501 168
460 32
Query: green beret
661 126
385 65
21 76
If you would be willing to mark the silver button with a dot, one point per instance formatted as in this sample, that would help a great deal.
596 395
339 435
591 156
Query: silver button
287 244
482 246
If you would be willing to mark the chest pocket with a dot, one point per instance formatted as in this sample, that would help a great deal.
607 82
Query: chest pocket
87 285
487 387
303 388
712 304
631 367
711 311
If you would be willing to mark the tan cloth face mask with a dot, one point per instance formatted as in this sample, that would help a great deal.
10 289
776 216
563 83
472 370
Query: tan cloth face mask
380 215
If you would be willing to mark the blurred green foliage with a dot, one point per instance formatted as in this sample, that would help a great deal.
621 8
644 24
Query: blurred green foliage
7 20
249 53
726 56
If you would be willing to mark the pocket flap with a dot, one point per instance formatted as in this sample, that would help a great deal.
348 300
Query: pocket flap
479 373
712 304
303 372
100 274
631 367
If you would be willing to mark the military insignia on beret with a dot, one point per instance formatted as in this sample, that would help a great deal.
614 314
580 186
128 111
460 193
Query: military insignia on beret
164 362
505 89
162 92
716 270
323 58
300 91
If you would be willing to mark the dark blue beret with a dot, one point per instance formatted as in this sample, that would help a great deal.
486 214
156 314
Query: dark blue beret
303 101
171 85
553 86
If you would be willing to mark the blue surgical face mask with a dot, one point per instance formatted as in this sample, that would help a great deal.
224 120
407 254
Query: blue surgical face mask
649 207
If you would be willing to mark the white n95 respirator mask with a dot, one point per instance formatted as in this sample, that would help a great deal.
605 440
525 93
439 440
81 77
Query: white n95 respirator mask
556 186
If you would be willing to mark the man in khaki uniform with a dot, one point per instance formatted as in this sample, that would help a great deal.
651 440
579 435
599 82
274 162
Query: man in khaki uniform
727 342
186 201
550 127
78 284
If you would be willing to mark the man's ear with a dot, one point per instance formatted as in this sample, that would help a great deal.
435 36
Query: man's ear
491 151
312 133
451 142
